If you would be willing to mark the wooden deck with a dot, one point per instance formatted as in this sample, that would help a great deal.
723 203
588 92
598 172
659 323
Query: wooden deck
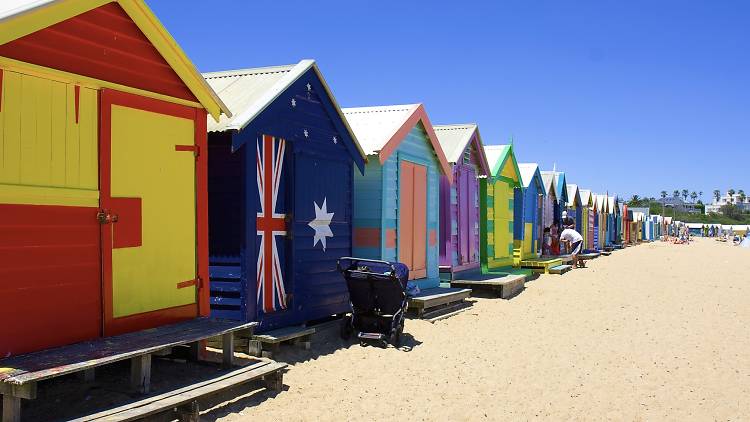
182 403
505 285
19 374
540 264
437 299
268 343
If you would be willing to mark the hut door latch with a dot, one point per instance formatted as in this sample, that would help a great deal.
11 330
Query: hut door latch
105 217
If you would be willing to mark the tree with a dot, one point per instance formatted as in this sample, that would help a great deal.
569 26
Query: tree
663 201
701 195
741 194
732 211
717 195
635 200
731 193
685 194
694 196
676 194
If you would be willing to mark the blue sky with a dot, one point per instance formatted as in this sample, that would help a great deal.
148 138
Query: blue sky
628 96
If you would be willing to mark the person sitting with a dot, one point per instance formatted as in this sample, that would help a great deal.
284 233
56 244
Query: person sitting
574 241
554 233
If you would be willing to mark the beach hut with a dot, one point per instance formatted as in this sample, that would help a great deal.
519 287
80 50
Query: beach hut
587 202
497 207
549 202
528 200
574 206
612 217
103 224
561 192
458 240
397 201
281 175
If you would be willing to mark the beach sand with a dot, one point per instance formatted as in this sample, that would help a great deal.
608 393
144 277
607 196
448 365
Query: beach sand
652 332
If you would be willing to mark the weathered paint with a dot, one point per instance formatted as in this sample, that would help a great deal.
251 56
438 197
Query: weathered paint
377 201
315 170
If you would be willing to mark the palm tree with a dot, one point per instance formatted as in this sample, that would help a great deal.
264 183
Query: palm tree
693 196
685 194
701 195
731 193
635 200
663 200
676 194
741 194
717 195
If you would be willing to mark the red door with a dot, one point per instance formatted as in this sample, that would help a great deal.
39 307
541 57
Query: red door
412 224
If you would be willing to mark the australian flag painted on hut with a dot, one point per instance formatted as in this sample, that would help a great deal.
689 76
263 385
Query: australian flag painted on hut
281 174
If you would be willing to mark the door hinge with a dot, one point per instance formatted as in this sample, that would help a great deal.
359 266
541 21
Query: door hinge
194 148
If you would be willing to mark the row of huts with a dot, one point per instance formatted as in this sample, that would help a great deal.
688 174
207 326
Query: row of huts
136 192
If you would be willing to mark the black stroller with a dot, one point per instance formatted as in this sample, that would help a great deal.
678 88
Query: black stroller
377 294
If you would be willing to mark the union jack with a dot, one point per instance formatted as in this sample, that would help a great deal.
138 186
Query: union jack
270 162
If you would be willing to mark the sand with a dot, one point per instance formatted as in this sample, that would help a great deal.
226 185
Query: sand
652 332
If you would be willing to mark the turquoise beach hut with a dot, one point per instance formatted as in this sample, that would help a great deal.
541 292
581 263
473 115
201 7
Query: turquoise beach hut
397 201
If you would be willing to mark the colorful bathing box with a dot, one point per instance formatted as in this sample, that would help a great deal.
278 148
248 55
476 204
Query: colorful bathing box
103 223
459 243
281 186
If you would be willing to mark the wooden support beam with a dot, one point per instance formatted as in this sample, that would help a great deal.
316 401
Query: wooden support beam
274 381
140 373
227 345
11 408
189 412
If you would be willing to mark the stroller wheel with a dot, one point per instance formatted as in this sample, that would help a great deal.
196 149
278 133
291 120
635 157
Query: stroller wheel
346 327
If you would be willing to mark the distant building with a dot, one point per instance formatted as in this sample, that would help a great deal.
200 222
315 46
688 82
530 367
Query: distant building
715 206
679 205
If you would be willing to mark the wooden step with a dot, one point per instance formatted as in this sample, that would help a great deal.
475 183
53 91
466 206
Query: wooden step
185 400
505 285
266 344
431 299
560 269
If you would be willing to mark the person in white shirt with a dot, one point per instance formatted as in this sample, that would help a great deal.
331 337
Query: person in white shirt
575 242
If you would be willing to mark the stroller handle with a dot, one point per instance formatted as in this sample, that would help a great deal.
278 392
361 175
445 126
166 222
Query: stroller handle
358 260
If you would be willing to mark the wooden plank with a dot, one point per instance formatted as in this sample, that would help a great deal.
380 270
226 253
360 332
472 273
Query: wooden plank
227 346
438 296
560 269
162 402
90 354
284 334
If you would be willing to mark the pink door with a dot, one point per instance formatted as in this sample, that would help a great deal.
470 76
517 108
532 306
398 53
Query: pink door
412 219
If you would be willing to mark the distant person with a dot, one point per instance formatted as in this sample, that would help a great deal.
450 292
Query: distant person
573 241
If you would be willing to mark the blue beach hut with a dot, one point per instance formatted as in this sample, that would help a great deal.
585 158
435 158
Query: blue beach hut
280 184
397 200
528 198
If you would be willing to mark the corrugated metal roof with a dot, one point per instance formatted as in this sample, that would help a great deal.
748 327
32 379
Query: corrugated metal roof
375 126
573 193
10 8
585 196
548 178
454 138
527 172
247 92
495 154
